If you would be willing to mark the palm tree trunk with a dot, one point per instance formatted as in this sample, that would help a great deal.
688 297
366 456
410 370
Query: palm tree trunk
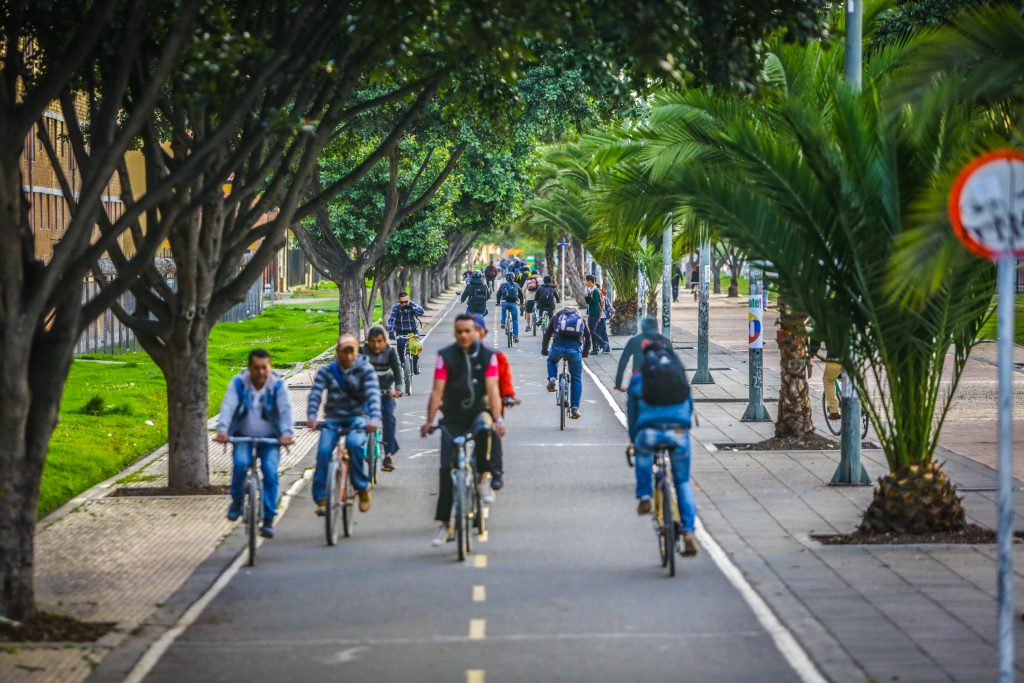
794 418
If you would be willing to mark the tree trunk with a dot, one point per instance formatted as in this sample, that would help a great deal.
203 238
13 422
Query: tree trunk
549 258
351 292
716 273
425 287
187 375
624 320
794 418
416 287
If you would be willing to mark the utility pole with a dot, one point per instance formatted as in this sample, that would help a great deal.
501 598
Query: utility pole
641 288
561 265
666 280
703 374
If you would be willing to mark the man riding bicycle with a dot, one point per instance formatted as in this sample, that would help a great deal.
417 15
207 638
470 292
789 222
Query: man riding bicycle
660 411
490 274
571 341
256 404
466 391
353 407
404 320
510 298
475 295
508 393
385 362
544 301
530 285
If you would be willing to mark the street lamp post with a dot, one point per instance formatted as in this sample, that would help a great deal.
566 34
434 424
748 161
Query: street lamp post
703 373
666 280
561 264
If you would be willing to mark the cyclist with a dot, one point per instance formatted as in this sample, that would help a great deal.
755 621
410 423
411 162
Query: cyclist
530 285
508 395
490 274
510 297
404 320
634 349
661 410
572 341
385 361
256 404
475 295
832 372
353 407
466 391
467 275
545 298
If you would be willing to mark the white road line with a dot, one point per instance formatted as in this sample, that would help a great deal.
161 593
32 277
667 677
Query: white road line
480 561
477 629
422 453
783 638
480 593
152 655
474 676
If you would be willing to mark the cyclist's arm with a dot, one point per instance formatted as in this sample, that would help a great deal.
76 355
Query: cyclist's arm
627 353
227 408
521 297
371 390
284 411
558 299
316 394
416 308
391 320
433 404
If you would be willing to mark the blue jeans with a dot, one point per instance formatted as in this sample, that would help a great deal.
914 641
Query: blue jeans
387 412
513 310
644 464
269 457
355 443
568 349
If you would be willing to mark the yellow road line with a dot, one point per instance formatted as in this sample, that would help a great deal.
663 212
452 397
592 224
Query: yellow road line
484 536
480 561
479 593
474 676
477 629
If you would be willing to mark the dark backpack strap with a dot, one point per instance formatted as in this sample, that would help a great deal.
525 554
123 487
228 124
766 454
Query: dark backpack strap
336 371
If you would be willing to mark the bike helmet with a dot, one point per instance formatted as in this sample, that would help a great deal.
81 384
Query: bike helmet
510 277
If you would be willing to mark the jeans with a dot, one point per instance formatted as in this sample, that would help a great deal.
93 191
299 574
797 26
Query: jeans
388 424
675 289
513 310
680 458
486 459
597 333
602 329
568 349
269 457
355 443
402 344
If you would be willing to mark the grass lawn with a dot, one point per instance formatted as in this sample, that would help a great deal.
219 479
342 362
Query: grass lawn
989 331
98 437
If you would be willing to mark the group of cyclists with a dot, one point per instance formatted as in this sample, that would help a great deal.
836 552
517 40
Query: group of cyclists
472 386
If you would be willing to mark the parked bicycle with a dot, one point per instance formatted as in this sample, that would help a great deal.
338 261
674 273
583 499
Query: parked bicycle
667 523
836 426
562 397
252 506
468 507
340 495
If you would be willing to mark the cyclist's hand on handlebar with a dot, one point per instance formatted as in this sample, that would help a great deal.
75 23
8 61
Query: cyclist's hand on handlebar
499 429
286 440
371 427
221 437
311 424
425 430
396 394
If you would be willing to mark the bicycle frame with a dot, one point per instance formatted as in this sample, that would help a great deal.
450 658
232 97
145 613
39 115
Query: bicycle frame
666 509
252 506
467 505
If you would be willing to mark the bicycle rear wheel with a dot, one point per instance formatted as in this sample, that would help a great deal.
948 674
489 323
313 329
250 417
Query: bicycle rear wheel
508 334
834 426
459 494
563 395
659 526
347 493
332 505
668 525
252 511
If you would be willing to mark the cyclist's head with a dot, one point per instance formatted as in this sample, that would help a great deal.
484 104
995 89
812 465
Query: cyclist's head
403 299
259 367
376 339
477 276
547 279
648 325
347 350
465 330
481 326
510 277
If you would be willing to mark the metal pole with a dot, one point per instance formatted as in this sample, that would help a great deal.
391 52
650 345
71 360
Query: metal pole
666 281
561 266
703 374
854 38
1006 266
755 412
641 288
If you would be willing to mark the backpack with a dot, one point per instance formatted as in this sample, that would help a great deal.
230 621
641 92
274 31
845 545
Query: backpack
491 272
570 325
545 296
664 380
510 292
609 312
478 297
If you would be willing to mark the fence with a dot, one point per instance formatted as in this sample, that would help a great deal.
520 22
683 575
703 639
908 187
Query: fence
108 335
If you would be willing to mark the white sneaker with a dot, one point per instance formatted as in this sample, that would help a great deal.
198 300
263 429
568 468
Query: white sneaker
484 489
441 536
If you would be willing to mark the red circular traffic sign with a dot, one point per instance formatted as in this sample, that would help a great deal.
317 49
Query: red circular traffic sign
986 205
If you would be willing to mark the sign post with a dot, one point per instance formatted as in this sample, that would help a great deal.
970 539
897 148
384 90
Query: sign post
703 373
561 266
988 217
755 412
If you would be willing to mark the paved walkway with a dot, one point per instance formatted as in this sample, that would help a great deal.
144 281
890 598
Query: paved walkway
120 559
864 613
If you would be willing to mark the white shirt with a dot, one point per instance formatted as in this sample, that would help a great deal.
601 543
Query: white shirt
254 424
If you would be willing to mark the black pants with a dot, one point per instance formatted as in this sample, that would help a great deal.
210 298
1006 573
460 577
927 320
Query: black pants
486 449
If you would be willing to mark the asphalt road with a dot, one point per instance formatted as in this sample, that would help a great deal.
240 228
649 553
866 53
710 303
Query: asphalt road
567 587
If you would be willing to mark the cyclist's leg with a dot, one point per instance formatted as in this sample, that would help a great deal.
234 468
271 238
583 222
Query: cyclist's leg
576 370
242 456
828 378
484 441
270 459
400 346
355 443
643 463
387 411
445 494
514 312
633 394
504 312
328 440
684 489
554 356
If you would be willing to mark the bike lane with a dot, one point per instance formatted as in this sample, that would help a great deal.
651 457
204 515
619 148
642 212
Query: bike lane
566 586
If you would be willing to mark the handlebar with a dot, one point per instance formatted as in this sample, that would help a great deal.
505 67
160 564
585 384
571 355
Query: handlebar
254 440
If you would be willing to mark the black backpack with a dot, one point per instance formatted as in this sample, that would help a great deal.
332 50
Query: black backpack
545 296
478 297
510 292
664 379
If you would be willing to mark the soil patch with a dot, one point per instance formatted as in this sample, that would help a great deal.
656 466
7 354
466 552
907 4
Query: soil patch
808 442
53 628
133 491
973 534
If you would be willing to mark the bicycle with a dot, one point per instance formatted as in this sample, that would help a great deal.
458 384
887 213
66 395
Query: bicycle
252 507
468 506
340 495
836 426
373 455
508 333
666 507
406 356
539 320
562 397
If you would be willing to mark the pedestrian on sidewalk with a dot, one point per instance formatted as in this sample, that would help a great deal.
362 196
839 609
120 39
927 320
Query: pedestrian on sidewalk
661 411
353 408
677 277
385 361
256 404
592 297
607 313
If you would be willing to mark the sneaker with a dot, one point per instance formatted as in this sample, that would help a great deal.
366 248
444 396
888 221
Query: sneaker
484 489
267 531
496 481
365 500
416 370
527 328
388 465
551 385
644 506
515 340
234 512
443 535
689 544
321 508
575 414
835 416
503 326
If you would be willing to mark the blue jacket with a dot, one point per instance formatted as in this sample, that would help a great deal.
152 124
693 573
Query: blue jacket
359 395
237 403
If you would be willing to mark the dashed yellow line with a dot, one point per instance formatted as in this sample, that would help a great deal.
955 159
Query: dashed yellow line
477 629
480 561
479 593
484 536
475 676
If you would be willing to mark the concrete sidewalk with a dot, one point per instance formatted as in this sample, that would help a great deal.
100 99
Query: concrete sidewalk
863 613
123 559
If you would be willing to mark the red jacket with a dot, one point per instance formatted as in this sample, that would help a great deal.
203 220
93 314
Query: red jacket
505 377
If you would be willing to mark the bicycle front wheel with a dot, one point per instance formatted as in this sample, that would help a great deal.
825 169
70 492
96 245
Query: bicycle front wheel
347 493
252 502
373 456
331 504
563 408
407 373
459 494
834 426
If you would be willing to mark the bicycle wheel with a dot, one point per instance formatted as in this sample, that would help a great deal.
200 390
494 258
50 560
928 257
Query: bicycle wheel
252 502
668 524
508 334
346 494
834 426
373 456
459 495
331 504
563 395
863 423
407 372
659 525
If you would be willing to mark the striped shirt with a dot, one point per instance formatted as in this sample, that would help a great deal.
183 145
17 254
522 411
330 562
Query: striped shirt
359 396
404 320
